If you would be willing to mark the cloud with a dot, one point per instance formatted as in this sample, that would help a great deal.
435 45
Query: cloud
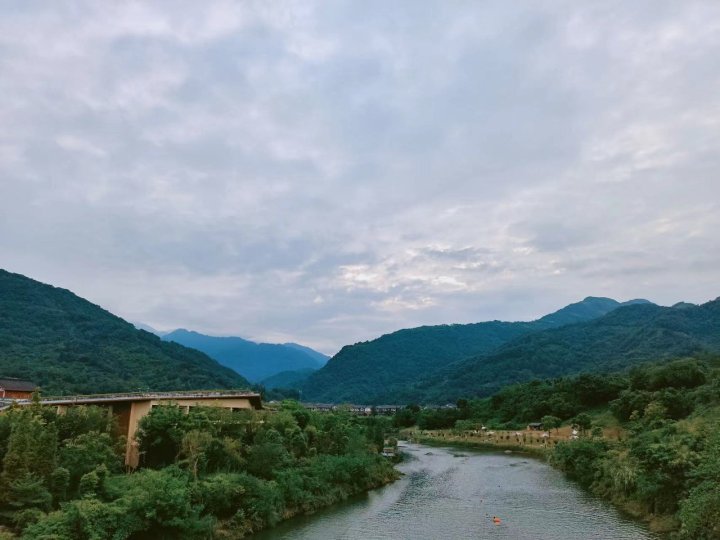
324 173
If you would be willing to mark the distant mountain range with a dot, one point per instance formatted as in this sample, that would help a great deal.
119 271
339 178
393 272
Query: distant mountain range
69 345
440 363
148 328
625 337
255 361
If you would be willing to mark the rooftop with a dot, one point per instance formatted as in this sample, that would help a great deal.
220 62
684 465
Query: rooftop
17 385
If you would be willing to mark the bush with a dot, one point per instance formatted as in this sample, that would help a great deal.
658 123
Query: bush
580 459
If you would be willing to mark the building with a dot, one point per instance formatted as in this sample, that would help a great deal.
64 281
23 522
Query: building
11 388
129 409
535 426
319 407
387 410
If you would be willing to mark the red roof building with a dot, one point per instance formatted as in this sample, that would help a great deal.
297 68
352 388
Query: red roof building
16 388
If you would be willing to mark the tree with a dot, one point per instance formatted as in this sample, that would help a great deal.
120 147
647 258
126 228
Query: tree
550 422
160 435
194 447
583 421
84 453
267 454
28 491
32 449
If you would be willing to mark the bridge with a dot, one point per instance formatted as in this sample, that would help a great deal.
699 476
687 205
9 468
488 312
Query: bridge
130 408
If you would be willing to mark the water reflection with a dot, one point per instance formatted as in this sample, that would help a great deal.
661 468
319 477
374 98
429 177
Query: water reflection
453 494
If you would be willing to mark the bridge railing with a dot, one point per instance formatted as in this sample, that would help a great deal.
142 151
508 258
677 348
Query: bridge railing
130 396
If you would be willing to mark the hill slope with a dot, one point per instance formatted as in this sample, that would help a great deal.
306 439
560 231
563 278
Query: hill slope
622 338
380 370
312 353
256 361
287 379
69 345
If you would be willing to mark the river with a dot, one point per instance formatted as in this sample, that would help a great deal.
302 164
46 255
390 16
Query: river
453 494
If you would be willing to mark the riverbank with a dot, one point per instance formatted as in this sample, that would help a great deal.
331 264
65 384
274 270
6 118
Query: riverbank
446 493
236 529
449 438
662 524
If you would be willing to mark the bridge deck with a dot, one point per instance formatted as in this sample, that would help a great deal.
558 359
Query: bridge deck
142 396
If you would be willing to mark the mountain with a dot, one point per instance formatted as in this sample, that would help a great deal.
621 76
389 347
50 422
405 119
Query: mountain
256 361
287 379
378 370
590 308
148 328
320 357
624 337
68 345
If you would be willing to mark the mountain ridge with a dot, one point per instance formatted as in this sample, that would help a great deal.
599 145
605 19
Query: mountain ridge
67 344
373 370
622 338
255 361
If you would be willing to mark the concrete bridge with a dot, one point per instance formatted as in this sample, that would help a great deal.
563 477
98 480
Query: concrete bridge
130 408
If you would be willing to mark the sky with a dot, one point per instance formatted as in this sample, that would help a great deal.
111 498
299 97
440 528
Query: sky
326 172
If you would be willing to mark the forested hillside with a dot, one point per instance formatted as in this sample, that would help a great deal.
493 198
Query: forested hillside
69 345
206 473
622 338
648 438
255 361
287 379
382 370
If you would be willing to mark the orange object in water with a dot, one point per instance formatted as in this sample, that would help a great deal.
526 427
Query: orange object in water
496 520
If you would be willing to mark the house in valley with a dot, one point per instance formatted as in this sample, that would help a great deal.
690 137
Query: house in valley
11 388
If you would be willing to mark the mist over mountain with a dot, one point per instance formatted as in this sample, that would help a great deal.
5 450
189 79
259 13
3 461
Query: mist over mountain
69 345
148 328
255 361
383 369
320 357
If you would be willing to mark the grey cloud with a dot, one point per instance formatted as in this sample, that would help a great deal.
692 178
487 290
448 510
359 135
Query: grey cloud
324 173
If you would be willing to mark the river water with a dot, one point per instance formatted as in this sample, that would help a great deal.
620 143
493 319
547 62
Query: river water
453 494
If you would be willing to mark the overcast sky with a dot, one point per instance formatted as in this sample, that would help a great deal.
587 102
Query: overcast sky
325 172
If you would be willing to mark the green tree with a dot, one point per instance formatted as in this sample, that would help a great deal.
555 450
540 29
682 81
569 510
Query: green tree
28 491
550 422
160 435
267 454
32 448
194 448
59 484
84 453
583 421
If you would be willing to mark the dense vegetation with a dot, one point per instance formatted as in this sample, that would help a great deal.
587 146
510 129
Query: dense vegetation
287 379
68 345
664 467
624 337
254 361
212 473
384 370
627 336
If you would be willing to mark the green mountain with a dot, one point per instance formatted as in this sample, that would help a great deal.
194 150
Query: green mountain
256 361
287 379
383 369
588 309
625 337
320 357
68 345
